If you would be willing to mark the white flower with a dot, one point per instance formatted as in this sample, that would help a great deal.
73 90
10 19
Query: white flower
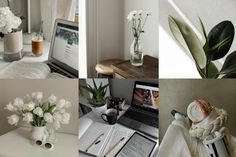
131 15
10 107
56 125
8 21
48 117
140 12
37 95
65 118
13 119
27 117
57 116
67 104
18 102
61 104
38 111
29 106
52 99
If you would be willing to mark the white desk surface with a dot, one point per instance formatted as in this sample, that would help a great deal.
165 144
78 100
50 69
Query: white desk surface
28 57
94 118
17 144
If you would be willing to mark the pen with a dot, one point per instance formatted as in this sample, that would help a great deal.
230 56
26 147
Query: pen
113 146
94 142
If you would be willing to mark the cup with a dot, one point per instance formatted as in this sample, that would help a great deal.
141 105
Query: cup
110 116
37 45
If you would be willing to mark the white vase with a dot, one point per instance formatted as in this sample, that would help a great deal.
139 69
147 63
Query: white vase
98 111
13 46
38 133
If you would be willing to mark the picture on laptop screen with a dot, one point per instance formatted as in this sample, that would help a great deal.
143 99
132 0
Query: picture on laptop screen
146 96
66 44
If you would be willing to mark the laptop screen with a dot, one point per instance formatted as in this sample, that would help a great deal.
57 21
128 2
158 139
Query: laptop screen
146 95
65 45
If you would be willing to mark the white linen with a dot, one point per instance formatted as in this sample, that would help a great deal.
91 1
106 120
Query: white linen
53 9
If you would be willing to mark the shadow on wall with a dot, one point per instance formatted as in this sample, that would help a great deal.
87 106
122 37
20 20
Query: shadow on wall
67 89
178 94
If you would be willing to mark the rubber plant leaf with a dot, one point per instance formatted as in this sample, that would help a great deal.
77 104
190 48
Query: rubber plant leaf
219 33
188 39
203 32
229 65
212 71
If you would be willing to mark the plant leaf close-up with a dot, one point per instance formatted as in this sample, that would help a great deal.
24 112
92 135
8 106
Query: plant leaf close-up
220 39
188 39
229 66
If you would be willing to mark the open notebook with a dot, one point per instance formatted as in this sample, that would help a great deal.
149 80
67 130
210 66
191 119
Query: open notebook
89 131
28 70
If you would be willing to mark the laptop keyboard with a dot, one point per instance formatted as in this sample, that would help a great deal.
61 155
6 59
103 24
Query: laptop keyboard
56 70
140 116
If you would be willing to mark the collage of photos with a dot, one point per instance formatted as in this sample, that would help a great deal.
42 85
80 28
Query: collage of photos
117 78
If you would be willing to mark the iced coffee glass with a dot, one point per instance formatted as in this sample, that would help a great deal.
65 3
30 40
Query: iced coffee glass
37 45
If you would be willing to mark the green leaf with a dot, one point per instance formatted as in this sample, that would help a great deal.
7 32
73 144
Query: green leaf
229 65
188 39
231 75
212 71
203 31
220 32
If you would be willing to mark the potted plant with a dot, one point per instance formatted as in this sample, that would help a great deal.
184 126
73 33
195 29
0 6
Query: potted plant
13 39
97 99
213 46
38 113
138 19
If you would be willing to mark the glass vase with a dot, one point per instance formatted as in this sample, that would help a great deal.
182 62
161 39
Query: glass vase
136 53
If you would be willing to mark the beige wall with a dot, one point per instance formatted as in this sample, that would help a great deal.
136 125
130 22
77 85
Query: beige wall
68 89
177 94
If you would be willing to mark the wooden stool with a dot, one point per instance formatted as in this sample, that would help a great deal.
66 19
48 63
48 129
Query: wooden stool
103 68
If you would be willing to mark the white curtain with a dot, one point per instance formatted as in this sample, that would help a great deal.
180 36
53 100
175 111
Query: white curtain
53 9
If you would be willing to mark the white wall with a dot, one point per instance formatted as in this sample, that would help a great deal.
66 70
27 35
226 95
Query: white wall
150 37
68 89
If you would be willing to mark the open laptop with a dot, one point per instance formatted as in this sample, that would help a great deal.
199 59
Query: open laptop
63 54
143 113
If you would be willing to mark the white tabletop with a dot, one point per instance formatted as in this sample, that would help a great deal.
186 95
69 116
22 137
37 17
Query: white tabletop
28 56
17 144
94 118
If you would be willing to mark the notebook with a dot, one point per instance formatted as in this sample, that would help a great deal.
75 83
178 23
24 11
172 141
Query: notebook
90 130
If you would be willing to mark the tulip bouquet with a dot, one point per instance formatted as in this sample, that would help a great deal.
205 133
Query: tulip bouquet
36 112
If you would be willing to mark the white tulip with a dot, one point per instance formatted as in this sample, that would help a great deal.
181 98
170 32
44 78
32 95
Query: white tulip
28 117
13 119
56 125
52 99
68 104
48 117
10 107
65 118
61 104
18 102
57 116
38 111
29 106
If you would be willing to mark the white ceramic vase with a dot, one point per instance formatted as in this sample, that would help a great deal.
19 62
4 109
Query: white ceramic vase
98 111
38 133
13 46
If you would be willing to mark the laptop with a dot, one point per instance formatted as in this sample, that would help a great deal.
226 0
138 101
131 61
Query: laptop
64 48
143 113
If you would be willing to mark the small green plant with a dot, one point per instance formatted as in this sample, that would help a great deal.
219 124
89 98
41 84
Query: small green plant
98 94
213 46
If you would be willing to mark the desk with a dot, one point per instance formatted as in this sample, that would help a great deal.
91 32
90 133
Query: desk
90 115
17 144
125 70
28 56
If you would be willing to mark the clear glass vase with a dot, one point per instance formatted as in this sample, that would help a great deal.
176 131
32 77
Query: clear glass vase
136 53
